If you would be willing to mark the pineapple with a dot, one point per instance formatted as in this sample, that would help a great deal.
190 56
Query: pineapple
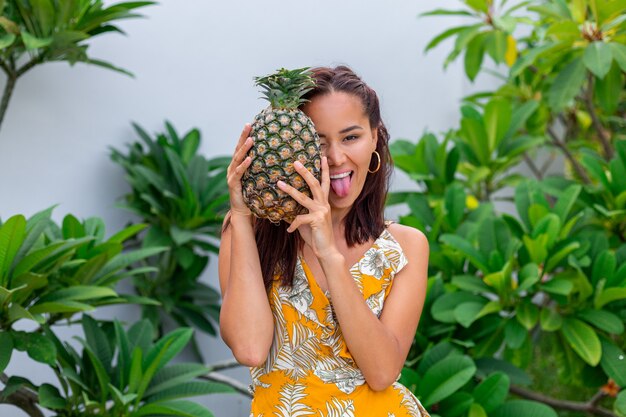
282 134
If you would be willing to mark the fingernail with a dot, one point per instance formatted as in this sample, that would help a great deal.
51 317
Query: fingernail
298 164
281 184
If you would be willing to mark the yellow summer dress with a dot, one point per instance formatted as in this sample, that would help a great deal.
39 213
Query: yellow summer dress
309 370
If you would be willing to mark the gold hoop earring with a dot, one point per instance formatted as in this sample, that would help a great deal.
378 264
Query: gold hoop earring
377 166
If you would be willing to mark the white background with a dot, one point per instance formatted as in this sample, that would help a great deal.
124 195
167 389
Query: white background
194 63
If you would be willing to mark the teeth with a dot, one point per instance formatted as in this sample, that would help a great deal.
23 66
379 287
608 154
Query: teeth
343 175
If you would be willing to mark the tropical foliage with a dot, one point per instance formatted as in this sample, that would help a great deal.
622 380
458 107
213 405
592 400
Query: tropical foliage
33 32
183 197
528 275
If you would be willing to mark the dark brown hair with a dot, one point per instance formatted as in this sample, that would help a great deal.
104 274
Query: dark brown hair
278 249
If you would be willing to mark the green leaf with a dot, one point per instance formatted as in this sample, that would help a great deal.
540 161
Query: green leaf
470 283
488 365
607 90
78 293
496 42
32 42
583 339
12 235
136 370
598 57
514 334
478 5
497 121
6 349
558 286
173 408
50 397
466 313
465 247
173 375
550 320
127 233
492 391
518 408
443 309
190 389
528 276
37 346
101 374
7 40
620 404
474 56
476 410
446 377
619 53
60 307
443 12
456 405
608 295
527 314
567 84
443 36
613 362
603 320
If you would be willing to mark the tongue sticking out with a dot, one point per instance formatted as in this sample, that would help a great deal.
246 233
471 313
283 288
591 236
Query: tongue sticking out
341 186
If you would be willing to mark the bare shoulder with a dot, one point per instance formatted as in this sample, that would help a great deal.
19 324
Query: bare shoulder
409 238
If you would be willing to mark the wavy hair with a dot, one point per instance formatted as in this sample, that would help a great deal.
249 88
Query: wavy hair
278 249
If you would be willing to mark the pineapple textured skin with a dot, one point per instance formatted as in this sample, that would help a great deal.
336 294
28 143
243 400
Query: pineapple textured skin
281 137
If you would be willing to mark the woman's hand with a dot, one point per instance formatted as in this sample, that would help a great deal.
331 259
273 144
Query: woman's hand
316 226
236 169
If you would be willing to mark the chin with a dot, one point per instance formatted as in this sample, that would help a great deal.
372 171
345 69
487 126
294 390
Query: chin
341 202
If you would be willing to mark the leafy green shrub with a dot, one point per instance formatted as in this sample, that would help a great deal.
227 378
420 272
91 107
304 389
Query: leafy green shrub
33 32
183 197
545 283
122 373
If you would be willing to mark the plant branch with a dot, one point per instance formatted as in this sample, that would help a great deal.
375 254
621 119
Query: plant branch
585 407
605 140
238 386
561 145
536 172
6 68
22 398
227 364
7 93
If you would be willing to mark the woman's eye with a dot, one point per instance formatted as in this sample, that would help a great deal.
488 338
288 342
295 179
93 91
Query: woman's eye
351 137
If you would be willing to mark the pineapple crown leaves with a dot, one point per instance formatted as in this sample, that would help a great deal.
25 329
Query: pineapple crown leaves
285 88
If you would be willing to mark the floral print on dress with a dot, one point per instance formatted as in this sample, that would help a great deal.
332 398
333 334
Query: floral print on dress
374 263
309 369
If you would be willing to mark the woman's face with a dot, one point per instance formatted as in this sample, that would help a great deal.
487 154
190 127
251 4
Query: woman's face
347 140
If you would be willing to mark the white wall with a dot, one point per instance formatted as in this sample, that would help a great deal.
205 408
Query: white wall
194 63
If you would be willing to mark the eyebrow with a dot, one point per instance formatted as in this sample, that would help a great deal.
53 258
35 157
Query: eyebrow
346 130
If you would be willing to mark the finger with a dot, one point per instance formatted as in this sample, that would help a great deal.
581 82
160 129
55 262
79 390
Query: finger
241 168
325 177
299 221
296 195
243 150
310 179
244 135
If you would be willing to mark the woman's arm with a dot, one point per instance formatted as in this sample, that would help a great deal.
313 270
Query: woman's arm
380 346
246 321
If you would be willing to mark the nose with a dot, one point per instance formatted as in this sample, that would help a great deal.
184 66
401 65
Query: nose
335 154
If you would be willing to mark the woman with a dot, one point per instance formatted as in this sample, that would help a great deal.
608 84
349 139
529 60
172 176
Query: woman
312 328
